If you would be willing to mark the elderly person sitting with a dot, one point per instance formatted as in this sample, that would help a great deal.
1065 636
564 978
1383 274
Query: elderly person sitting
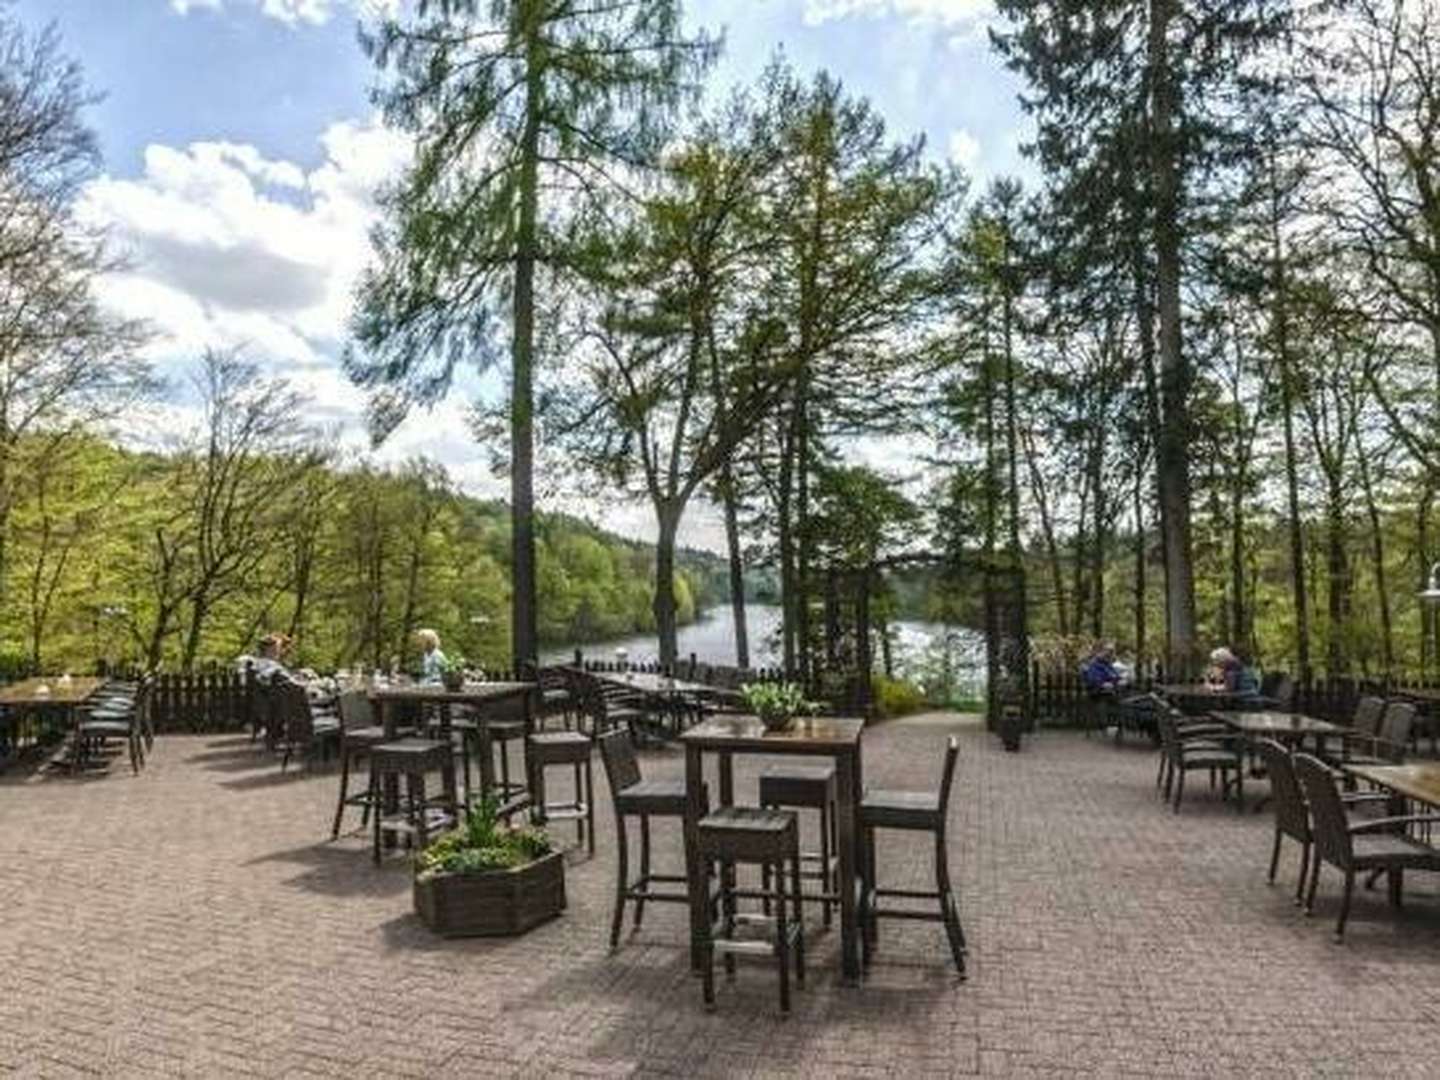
1229 672
269 658
432 660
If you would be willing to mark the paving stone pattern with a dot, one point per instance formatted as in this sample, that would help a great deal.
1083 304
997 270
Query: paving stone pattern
194 921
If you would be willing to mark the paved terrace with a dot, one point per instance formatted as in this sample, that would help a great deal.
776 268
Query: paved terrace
193 922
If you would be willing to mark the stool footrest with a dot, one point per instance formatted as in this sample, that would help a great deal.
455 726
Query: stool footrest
904 894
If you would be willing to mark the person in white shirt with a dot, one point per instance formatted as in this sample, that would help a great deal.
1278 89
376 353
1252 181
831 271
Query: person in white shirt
432 662
270 659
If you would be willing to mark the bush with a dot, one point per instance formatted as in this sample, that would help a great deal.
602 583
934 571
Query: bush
896 697
482 844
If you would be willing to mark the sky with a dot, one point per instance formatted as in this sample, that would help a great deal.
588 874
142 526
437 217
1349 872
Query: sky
241 155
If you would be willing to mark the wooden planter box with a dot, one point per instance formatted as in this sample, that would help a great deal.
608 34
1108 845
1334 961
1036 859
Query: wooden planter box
492 904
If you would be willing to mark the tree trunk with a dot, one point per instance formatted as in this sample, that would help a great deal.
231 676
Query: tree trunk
1377 554
1280 318
523 614
1173 452
785 539
1338 569
1140 589
803 539
1425 612
1052 545
668 518
199 609
737 568
1240 629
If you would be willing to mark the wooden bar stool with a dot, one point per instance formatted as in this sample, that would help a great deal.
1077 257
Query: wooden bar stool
633 796
918 811
769 838
811 787
412 758
548 748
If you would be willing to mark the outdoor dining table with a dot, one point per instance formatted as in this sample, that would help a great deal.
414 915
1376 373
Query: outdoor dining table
41 693
837 738
482 697
1419 782
1288 728
1202 697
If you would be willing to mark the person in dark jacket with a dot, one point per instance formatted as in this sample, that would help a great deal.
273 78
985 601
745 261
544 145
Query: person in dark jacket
1099 673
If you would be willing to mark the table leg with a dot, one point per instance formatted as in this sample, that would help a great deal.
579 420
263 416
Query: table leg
390 782
448 781
849 784
694 872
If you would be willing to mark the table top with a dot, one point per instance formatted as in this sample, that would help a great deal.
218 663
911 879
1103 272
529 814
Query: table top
27 691
1200 690
651 683
1420 782
807 735
471 693
1278 723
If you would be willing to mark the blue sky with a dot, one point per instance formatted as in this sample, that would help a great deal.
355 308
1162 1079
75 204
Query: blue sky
241 151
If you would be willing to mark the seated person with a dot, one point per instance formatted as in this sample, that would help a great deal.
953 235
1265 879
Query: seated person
1099 673
432 661
270 657
1228 672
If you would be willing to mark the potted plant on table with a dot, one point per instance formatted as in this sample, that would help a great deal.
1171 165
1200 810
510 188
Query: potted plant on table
777 704
487 879
452 673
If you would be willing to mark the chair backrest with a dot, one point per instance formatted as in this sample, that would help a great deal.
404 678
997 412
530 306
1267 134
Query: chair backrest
622 767
1369 711
1396 723
356 710
1291 816
292 708
947 775
1328 822
1165 724
1282 690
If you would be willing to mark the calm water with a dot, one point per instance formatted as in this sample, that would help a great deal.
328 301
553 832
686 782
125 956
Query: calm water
929 653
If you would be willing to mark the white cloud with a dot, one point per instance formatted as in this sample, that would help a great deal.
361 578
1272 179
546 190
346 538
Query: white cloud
964 149
293 12
944 12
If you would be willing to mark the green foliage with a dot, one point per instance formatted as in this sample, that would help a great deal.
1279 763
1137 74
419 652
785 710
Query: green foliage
483 844
897 697
357 541
776 701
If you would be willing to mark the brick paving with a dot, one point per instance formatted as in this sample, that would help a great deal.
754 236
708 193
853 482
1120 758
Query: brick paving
193 921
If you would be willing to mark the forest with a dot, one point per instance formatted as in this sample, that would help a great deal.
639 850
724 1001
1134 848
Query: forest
1177 386
250 525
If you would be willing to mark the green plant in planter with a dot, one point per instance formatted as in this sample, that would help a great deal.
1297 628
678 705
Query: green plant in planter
777 704
482 844
452 672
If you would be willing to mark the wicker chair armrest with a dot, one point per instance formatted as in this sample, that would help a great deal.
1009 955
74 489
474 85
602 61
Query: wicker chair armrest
1389 824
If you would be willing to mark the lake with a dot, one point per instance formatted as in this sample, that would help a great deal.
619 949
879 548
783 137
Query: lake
949 660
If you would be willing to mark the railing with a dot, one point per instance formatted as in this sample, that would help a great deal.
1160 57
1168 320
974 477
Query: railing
1059 699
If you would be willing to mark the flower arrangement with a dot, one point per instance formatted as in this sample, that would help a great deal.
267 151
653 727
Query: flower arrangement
777 704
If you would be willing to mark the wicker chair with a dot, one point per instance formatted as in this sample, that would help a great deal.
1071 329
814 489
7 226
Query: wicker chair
916 811
358 734
633 796
1183 754
1292 817
1374 844
301 728
1389 745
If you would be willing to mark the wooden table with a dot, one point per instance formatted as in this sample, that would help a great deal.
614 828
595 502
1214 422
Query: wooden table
1202 697
646 682
479 696
1284 727
1419 782
67 696
837 738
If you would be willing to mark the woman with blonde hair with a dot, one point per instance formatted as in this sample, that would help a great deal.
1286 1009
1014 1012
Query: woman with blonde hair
432 660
